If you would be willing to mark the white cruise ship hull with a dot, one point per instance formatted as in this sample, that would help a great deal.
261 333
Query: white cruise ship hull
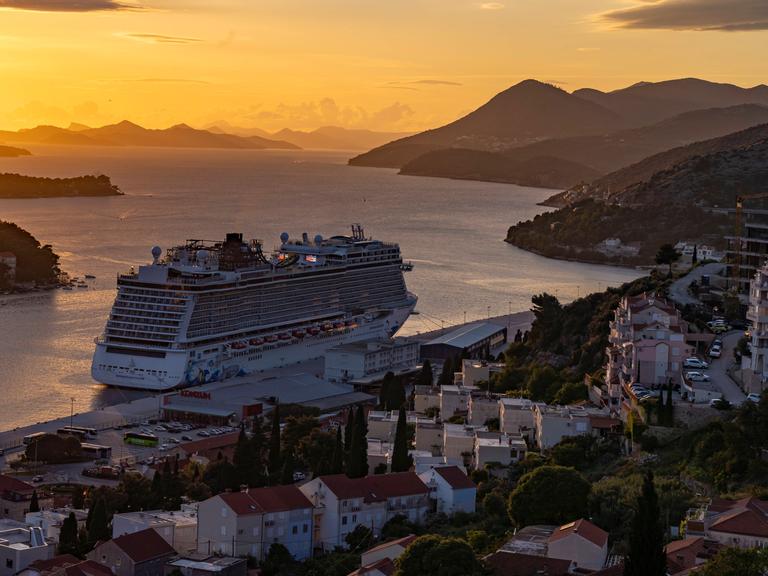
195 366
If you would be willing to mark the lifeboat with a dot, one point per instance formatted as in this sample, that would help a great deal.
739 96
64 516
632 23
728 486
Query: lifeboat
298 333
271 338
256 341
284 336
338 324
327 327
313 331
239 345
350 323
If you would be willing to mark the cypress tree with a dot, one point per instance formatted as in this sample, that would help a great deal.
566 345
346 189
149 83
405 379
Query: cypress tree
425 376
242 457
385 392
274 442
349 430
99 527
78 498
286 475
68 543
34 504
670 407
357 466
401 460
337 463
446 373
646 541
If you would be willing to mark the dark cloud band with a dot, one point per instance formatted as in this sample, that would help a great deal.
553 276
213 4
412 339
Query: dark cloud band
66 5
724 15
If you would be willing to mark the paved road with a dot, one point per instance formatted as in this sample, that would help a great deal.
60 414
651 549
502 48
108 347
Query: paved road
718 369
678 291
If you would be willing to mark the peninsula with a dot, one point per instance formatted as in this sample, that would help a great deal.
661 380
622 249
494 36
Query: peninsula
13 152
19 186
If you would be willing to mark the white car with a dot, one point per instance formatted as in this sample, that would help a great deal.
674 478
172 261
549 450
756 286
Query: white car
697 377
715 352
696 363
753 398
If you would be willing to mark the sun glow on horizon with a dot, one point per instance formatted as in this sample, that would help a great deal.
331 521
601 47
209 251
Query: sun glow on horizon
394 66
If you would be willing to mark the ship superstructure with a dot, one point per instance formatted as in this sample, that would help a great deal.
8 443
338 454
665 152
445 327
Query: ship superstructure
207 311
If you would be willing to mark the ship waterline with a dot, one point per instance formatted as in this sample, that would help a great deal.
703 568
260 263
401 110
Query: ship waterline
212 311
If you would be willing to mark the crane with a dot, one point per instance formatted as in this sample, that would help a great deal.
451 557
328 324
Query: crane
739 214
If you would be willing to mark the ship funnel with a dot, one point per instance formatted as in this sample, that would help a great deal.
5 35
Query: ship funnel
305 238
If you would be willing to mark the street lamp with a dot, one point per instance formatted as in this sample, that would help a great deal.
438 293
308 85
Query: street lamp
71 410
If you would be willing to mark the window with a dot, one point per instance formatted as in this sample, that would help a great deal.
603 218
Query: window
223 512
9 563
223 530
295 530
343 520
305 529
354 518
255 530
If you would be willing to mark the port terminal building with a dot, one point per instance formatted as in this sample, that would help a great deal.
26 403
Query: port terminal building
475 340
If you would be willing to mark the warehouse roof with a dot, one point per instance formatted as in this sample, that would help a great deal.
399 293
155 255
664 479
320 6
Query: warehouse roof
467 335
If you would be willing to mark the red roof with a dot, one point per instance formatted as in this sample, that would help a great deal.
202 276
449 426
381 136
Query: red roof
56 562
604 422
745 521
266 500
69 565
212 443
404 542
144 545
384 566
455 477
11 484
583 528
503 563
375 488
88 568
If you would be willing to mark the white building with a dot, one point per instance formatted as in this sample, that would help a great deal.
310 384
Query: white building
359 360
459 441
426 398
382 424
495 447
50 521
451 489
482 407
755 374
429 437
581 542
19 547
553 423
342 503
454 399
516 416
178 528
248 522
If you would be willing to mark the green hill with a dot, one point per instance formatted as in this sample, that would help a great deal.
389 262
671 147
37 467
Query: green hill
34 263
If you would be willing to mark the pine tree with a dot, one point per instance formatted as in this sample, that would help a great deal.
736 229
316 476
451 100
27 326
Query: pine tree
425 376
401 460
357 466
98 530
337 463
34 504
242 457
68 542
646 542
274 443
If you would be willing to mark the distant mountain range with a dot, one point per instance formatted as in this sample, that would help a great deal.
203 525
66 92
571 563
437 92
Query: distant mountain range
127 133
584 133
13 152
324 138
675 195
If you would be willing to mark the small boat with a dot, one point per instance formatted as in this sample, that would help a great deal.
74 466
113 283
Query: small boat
67 287
313 331
298 333
82 285
90 277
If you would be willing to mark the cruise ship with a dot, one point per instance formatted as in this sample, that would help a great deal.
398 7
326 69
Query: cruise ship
207 311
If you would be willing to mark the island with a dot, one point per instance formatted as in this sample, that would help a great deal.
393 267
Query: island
24 262
19 186
13 152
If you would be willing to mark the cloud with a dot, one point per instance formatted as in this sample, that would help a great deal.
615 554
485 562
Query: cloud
436 82
729 16
66 5
587 49
491 6
173 80
161 38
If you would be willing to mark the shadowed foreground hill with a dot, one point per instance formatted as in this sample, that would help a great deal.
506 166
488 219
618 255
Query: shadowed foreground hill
18 186
34 263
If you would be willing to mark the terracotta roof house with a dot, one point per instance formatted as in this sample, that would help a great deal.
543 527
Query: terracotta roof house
451 489
142 553
341 503
739 523
383 567
66 565
689 553
581 542
15 496
248 522
503 563
392 550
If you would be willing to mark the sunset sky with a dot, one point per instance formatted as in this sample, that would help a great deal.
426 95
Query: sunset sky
385 65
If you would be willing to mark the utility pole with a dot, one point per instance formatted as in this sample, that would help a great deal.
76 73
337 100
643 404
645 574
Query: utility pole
71 410
465 316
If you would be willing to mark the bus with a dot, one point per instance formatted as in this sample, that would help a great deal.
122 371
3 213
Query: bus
139 439
88 431
67 431
29 439
96 451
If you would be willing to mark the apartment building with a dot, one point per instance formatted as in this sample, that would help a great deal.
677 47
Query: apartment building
553 423
139 554
516 416
755 367
451 489
21 546
178 528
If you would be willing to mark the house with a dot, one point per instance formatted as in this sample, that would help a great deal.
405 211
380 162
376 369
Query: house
580 542
429 437
248 522
454 399
391 550
505 563
207 450
553 423
474 340
21 546
647 344
451 489
498 448
342 503
482 407
738 523
178 528
426 398
690 552
383 567
50 521
459 441
139 554
382 424
370 359
7 268
516 417
204 565
15 496
66 565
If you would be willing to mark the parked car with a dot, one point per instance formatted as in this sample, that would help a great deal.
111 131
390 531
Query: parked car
720 404
696 363
186 438
204 433
715 352
299 476
753 397
697 377
37 479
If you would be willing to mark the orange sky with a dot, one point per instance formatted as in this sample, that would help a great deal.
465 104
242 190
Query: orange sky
385 65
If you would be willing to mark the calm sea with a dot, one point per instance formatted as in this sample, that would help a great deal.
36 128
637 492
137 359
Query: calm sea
451 230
